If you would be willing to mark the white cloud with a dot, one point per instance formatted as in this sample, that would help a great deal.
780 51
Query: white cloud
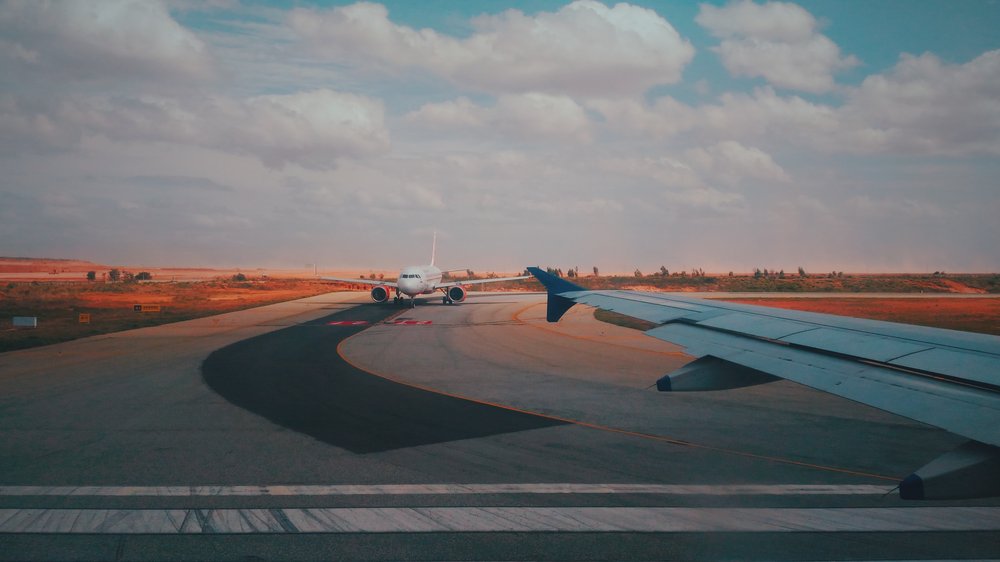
93 41
584 48
777 41
522 116
312 129
731 162
685 183
921 106
665 171
925 105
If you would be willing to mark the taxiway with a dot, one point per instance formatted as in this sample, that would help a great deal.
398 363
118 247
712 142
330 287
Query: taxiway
331 428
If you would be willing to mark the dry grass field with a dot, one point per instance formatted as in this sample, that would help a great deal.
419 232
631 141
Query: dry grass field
58 305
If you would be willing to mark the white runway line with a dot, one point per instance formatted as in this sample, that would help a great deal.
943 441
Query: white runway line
498 519
445 489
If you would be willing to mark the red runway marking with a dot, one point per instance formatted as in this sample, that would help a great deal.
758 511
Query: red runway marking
348 323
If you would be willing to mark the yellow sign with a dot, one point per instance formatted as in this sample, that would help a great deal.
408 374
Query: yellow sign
146 307
84 318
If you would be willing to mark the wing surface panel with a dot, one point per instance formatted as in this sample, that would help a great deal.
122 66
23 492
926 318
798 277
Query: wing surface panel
973 357
964 410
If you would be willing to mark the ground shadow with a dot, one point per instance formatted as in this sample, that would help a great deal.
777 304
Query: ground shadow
294 377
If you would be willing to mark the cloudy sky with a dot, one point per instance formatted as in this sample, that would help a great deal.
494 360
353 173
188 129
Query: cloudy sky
847 135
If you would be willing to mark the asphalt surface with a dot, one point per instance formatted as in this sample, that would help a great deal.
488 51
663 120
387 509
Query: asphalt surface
296 379
479 433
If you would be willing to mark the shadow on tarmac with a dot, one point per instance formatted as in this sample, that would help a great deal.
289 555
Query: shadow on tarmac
295 378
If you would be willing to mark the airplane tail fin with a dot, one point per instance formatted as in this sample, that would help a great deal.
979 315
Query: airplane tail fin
557 304
434 247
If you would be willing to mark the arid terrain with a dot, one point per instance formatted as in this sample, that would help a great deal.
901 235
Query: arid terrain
58 292
111 306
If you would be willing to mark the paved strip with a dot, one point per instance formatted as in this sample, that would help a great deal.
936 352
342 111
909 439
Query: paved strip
446 489
348 323
499 519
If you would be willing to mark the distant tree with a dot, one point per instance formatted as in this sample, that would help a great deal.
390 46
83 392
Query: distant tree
576 271
381 276
239 277
637 272
526 273
731 274
664 271
597 272
757 273
143 276
128 277
571 273
114 275
559 272
781 274
802 272
91 275
470 273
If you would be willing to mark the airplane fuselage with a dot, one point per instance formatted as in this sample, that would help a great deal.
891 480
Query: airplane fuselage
418 280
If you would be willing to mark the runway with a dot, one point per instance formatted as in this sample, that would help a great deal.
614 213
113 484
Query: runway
332 428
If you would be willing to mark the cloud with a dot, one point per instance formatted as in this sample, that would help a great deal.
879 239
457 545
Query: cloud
522 116
132 40
584 48
777 41
313 129
922 105
731 162
925 105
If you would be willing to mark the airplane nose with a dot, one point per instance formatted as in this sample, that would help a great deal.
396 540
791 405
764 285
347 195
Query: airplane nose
407 286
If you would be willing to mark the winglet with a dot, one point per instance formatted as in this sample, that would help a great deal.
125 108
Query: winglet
557 305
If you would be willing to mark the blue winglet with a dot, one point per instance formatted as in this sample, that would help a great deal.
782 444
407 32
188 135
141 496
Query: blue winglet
557 305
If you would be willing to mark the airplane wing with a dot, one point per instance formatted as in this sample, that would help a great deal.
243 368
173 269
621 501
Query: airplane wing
478 281
946 378
360 281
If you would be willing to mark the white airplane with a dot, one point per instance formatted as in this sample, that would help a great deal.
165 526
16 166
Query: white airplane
416 280
944 378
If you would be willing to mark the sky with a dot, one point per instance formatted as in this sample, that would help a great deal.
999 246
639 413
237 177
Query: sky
847 135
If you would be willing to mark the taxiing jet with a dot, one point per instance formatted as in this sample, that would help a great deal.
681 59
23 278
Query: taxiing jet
421 280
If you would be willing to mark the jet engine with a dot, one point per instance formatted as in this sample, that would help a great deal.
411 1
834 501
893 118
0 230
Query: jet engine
380 293
456 293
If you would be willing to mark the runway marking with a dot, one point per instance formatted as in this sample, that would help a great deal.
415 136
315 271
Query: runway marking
500 519
409 322
447 489
348 323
